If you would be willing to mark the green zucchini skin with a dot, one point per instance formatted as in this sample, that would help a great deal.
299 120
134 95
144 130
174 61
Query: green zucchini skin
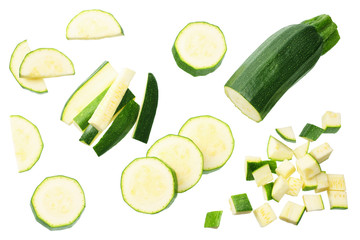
148 110
276 65
119 128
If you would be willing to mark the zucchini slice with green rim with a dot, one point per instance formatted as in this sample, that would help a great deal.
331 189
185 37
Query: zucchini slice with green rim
331 122
313 202
183 156
58 202
199 48
148 185
307 166
278 63
46 63
311 132
91 133
96 83
93 24
292 213
213 219
337 199
278 151
105 111
287 134
321 152
148 110
252 166
34 85
27 141
118 129
213 137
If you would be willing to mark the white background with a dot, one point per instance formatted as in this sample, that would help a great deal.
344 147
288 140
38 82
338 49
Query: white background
150 28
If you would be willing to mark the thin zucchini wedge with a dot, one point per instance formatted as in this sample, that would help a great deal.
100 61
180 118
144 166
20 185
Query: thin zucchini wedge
27 140
34 85
213 137
95 84
311 132
93 24
301 150
148 110
58 202
277 150
148 185
287 134
277 64
118 129
199 48
46 63
183 156
104 112
213 219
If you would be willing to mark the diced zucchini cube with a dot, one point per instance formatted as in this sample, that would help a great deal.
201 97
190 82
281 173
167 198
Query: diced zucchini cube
307 166
313 202
277 150
263 175
285 169
302 150
309 184
240 204
331 122
292 213
311 132
336 182
267 190
265 214
338 199
322 182
322 152
213 219
286 133
281 187
295 185
251 164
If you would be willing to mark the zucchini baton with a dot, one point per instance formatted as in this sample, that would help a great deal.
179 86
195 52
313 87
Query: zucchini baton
278 64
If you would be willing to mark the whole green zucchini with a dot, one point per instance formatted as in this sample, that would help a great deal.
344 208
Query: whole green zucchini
278 63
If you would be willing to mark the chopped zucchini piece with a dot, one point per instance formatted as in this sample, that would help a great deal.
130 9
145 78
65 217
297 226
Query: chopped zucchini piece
278 151
307 166
267 190
45 63
281 187
302 150
292 213
331 122
183 156
295 185
285 169
311 132
263 175
213 137
212 219
28 144
240 204
322 182
313 202
286 133
338 199
265 214
309 184
89 135
148 185
93 24
336 182
322 152
253 164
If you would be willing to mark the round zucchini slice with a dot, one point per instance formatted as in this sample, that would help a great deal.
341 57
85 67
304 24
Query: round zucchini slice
58 202
199 48
183 156
148 185
213 137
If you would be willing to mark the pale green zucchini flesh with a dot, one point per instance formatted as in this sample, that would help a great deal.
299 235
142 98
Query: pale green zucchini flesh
331 122
183 156
252 166
148 185
199 48
58 202
278 151
148 110
34 85
96 83
28 144
292 213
